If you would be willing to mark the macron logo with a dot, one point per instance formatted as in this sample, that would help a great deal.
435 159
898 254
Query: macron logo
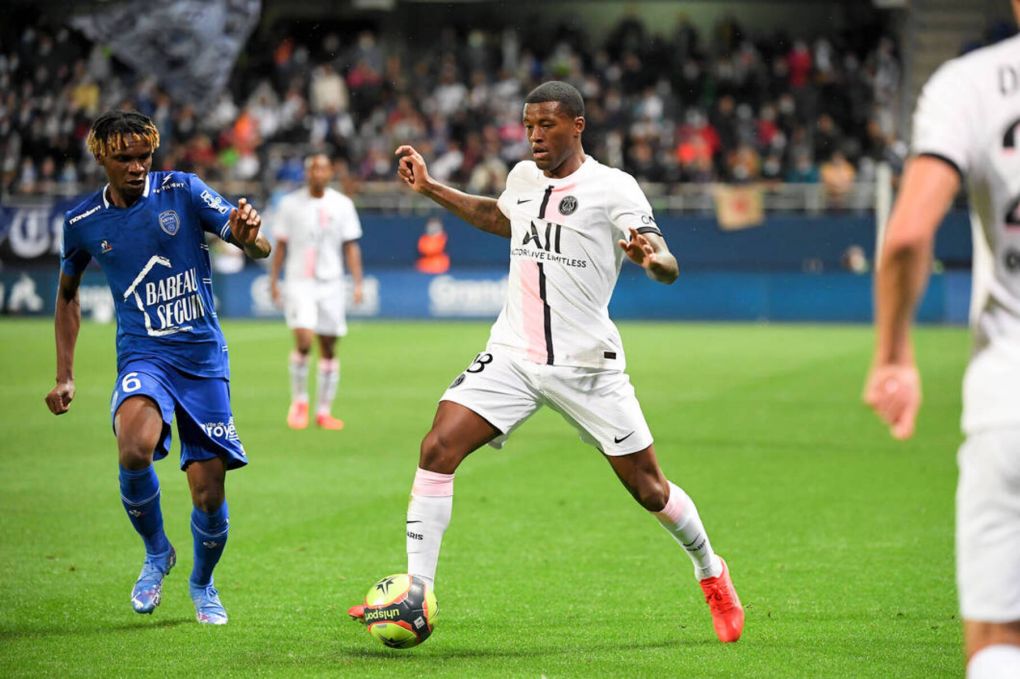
83 215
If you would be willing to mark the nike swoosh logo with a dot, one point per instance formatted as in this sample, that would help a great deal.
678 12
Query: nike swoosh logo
526 200
620 440
414 521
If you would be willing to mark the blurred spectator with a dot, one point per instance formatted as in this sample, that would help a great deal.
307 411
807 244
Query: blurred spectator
838 177
432 248
730 107
804 170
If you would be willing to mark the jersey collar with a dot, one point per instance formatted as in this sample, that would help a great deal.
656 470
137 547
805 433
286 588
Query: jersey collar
145 193
585 166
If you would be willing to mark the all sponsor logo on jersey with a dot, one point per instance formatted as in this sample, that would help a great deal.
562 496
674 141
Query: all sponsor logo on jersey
568 205
169 222
458 381
546 248
215 202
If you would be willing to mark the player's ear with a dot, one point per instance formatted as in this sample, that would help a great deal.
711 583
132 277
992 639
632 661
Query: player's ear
579 124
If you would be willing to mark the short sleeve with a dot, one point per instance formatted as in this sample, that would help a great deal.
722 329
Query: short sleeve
629 208
946 115
505 199
351 226
73 256
212 209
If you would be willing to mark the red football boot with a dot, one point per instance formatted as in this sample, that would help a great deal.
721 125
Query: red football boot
327 421
722 600
297 415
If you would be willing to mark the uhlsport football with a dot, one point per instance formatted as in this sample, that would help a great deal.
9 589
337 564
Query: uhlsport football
400 610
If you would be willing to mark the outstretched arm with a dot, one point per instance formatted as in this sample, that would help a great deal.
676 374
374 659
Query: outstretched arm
245 222
479 211
893 387
650 252
66 322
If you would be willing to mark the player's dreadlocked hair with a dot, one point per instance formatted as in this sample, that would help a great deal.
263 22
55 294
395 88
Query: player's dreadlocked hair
565 94
115 130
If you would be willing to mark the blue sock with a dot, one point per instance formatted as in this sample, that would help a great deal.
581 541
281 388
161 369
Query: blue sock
210 533
139 492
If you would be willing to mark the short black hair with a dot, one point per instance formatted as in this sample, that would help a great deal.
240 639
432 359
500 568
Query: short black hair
566 95
115 130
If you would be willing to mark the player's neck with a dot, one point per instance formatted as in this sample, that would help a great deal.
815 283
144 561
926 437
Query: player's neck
569 166
316 192
117 199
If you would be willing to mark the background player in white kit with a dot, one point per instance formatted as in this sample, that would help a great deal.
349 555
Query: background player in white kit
570 221
966 126
314 225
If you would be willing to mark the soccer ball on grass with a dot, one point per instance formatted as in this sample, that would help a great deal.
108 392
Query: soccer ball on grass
401 610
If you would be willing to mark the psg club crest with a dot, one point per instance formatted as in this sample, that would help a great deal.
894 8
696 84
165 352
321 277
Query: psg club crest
105 246
568 205
169 222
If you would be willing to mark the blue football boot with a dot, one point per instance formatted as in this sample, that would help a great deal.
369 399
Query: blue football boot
148 589
208 608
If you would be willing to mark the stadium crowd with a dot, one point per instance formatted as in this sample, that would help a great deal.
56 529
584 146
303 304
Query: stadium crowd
686 107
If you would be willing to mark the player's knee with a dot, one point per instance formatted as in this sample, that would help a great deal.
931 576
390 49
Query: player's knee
135 453
437 454
207 497
651 493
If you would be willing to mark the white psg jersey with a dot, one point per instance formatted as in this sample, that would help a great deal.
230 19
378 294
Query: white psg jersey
564 262
969 115
315 230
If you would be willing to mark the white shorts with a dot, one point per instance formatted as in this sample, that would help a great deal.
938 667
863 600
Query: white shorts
599 403
317 306
988 526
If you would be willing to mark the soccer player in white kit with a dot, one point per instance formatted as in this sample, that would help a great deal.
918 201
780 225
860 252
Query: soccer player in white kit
570 221
314 225
966 128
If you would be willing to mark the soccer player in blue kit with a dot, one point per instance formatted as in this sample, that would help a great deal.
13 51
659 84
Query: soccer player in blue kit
147 232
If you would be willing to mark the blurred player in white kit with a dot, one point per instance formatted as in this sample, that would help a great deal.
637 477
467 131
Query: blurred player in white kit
316 229
966 131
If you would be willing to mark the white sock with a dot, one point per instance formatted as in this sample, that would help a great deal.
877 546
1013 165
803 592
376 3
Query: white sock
329 380
298 377
428 515
680 518
1001 661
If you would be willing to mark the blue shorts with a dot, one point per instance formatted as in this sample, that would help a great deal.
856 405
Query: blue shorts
205 422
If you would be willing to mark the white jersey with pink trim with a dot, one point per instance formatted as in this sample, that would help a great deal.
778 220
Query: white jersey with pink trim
969 116
315 230
564 262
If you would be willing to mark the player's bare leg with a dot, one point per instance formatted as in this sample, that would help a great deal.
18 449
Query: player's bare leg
209 528
139 427
297 414
327 383
456 433
993 648
641 475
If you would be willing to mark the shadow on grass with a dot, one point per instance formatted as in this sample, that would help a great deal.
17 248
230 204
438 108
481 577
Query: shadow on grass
139 626
382 653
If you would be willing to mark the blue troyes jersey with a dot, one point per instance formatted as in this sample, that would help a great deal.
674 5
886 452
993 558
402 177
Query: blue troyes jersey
156 262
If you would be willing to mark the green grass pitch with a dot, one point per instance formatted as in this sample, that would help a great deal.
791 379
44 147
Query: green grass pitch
839 539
